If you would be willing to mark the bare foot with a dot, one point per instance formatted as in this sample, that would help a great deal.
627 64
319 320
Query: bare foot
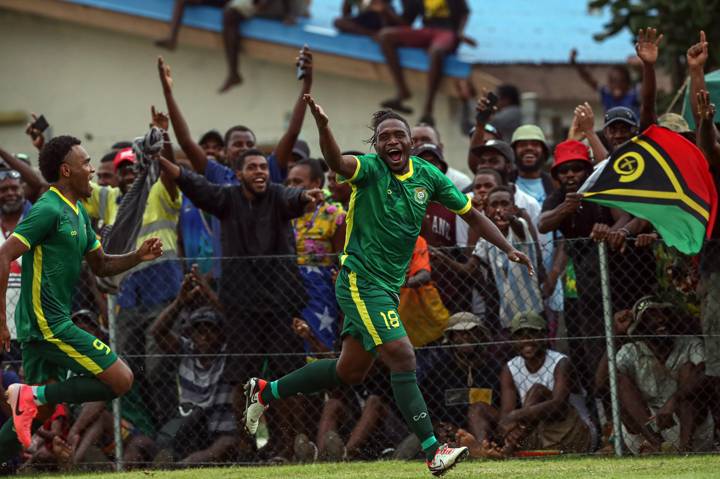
484 449
230 82
166 43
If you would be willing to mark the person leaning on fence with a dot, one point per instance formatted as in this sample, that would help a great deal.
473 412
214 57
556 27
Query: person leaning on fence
204 428
662 384
509 288
539 379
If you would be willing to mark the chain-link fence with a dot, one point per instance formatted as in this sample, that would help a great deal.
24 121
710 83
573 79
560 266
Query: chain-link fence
509 363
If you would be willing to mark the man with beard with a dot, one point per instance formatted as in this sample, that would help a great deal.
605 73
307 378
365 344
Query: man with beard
391 190
531 153
255 218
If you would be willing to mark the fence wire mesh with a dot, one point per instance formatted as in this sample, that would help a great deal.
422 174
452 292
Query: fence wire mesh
509 364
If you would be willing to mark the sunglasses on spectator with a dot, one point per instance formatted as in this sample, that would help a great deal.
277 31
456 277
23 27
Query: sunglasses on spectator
575 168
12 174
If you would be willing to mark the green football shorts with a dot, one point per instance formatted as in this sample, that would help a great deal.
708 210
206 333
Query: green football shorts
71 349
371 313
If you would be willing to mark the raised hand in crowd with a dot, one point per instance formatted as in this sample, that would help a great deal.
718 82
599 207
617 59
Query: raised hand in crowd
195 290
302 329
165 77
707 134
159 119
697 56
583 128
622 321
647 45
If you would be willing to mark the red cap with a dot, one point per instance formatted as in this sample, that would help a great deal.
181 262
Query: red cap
570 150
126 154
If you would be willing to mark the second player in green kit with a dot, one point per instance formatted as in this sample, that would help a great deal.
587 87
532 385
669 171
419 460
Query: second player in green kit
53 240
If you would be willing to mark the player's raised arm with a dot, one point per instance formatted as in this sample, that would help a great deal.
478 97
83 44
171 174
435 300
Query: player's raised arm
10 250
490 232
344 165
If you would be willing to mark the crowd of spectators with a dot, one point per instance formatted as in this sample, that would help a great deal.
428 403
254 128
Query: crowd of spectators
508 362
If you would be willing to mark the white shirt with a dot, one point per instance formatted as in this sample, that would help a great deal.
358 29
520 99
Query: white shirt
545 376
459 179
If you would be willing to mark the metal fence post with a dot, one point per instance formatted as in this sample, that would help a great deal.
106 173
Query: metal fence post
117 431
609 339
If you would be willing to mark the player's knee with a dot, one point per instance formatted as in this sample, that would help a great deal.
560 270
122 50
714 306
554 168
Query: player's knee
352 378
124 381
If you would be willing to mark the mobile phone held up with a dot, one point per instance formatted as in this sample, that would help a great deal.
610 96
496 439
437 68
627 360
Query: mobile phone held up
301 68
484 116
40 124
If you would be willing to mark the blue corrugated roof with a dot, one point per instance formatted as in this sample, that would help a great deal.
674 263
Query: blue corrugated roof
508 31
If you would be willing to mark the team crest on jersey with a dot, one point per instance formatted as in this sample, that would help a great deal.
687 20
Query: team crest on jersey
421 195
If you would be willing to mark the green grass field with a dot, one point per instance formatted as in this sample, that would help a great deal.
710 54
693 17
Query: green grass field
560 468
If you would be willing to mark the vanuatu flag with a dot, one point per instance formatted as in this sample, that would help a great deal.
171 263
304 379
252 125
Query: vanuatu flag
663 178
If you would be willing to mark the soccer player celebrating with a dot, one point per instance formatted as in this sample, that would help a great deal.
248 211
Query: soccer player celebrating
390 192
53 239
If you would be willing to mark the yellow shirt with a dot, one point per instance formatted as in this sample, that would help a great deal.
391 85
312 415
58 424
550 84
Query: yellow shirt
436 9
314 232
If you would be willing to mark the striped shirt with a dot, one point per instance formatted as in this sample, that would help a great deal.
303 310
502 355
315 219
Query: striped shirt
204 387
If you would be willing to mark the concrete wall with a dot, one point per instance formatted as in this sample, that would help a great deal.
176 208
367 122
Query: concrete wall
99 85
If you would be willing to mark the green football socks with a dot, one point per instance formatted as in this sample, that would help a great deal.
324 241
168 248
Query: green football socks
410 401
78 389
316 376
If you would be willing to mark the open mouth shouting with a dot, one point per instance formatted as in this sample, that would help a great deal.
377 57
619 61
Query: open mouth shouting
395 157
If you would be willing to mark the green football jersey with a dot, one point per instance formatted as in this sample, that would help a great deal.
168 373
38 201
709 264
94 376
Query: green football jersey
59 235
385 215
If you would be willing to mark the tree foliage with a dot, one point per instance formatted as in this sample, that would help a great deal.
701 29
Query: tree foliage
679 20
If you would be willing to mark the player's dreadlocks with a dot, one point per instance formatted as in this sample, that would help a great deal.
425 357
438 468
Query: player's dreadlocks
53 154
379 117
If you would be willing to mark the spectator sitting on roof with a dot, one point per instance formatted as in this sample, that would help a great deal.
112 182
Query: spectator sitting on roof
661 383
441 34
170 42
369 17
237 11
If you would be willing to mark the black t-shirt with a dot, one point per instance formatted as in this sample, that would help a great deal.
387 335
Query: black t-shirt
580 224
710 254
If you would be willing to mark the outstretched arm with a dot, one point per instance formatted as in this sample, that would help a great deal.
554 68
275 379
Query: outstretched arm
111 264
195 154
583 126
36 182
215 199
647 49
697 56
344 165
283 151
582 70
489 231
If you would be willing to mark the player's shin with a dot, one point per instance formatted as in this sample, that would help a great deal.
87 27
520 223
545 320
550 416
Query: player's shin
78 389
411 403
320 375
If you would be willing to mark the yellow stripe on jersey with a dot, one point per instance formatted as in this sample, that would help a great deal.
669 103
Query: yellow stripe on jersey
349 222
355 174
464 209
362 309
408 174
57 192
22 239
47 333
